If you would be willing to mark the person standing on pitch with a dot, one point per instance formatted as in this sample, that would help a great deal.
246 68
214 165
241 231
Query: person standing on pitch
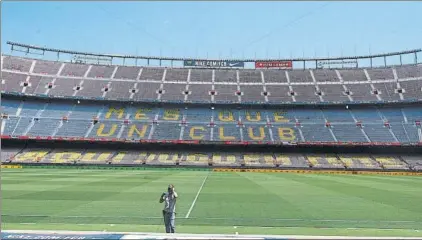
169 212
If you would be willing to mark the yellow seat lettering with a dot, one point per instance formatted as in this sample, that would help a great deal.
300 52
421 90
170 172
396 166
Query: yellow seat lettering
31 156
348 162
226 116
171 114
223 137
334 161
388 161
140 114
140 133
257 138
286 134
283 160
197 157
120 112
95 157
280 117
62 157
151 157
193 133
224 160
314 161
119 157
142 157
365 161
268 159
255 118
252 159
101 133
167 158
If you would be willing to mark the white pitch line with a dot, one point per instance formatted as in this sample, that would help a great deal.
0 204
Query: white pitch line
197 195
232 219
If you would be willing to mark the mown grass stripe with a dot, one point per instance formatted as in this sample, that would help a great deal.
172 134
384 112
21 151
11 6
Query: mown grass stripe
229 199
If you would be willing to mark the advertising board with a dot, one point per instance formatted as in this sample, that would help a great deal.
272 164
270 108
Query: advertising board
274 64
337 64
213 64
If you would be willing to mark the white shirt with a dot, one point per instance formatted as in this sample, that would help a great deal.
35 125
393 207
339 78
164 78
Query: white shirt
170 202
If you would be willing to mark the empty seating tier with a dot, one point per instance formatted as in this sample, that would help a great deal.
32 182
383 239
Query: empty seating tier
252 86
363 124
218 159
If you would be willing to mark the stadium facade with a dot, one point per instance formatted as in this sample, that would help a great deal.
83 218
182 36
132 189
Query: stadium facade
206 112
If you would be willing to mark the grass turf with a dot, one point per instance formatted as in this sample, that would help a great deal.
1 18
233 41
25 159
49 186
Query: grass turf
259 203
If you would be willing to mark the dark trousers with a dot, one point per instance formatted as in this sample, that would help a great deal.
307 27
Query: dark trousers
169 218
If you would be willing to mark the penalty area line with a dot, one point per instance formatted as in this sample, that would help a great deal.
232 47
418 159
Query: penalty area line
197 195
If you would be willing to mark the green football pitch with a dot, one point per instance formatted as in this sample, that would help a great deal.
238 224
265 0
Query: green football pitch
212 202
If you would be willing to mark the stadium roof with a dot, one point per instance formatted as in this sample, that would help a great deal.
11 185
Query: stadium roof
45 49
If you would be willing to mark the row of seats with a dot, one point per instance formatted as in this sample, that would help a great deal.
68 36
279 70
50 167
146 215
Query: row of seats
146 113
390 90
363 124
219 86
62 69
253 132
326 161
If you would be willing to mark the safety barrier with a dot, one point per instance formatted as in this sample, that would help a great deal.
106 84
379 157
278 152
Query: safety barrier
105 167
318 172
58 235
252 170
11 166
205 102
205 142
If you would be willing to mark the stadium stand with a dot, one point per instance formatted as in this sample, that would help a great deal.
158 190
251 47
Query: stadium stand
358 161
40 77
125 72
325 161
290 161
7 154
46 67
195 158
75 70
380 74
140 121
390 162
352 75
415 162
60 100
218 159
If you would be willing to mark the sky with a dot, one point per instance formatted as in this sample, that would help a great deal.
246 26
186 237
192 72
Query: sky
217 29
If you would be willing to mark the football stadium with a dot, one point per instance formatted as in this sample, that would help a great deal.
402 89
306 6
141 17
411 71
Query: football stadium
277 148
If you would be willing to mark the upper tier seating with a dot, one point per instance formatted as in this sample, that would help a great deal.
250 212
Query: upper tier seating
252 86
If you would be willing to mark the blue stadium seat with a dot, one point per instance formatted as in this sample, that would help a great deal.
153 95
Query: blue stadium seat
10 107
337 115
226 132
316 133
256 132
309 115
378 133
413 113
166 131
197 131
348 133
